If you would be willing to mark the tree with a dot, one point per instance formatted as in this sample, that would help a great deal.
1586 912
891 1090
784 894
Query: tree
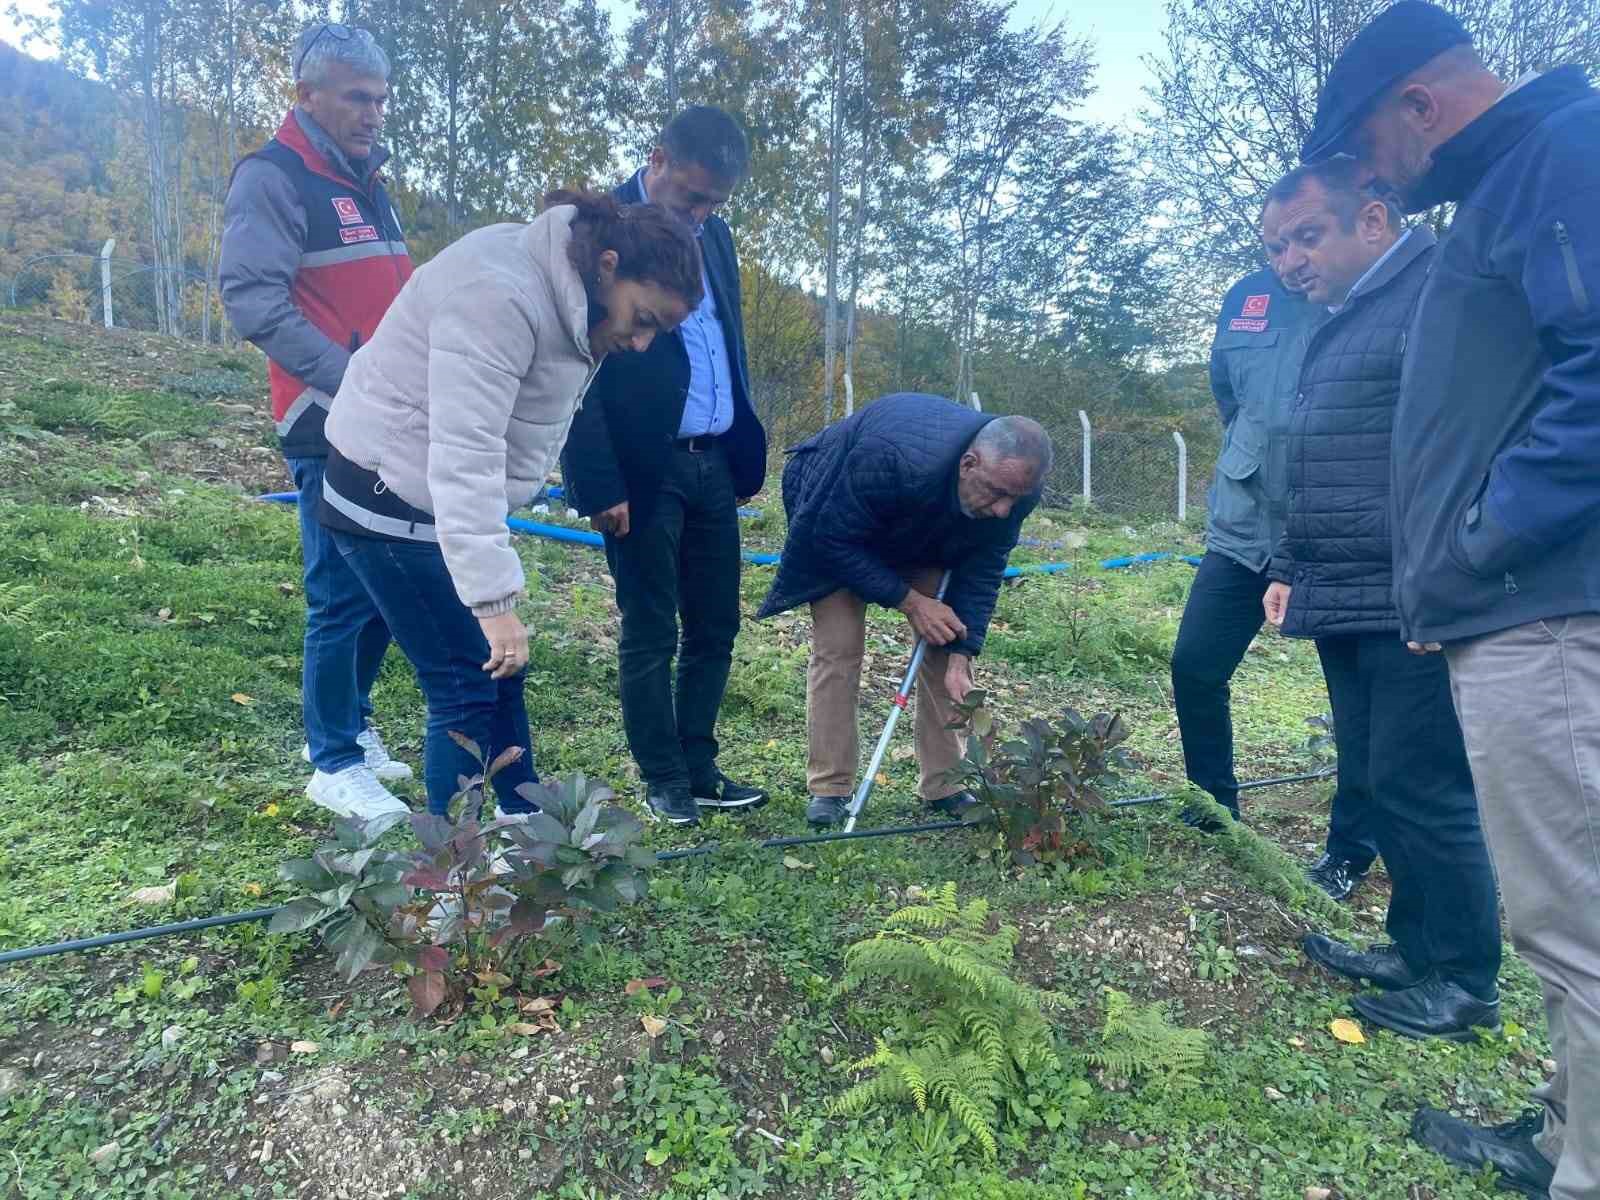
1235 97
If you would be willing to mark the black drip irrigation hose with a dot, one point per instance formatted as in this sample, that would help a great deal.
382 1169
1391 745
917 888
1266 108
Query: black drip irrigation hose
779 843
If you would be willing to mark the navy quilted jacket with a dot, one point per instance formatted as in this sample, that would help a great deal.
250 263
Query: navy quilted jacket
874 495
1335 552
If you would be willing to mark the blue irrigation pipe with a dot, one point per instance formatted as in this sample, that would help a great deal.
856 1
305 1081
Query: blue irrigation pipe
582 537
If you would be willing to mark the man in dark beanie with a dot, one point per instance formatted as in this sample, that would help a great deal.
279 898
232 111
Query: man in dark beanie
1496 507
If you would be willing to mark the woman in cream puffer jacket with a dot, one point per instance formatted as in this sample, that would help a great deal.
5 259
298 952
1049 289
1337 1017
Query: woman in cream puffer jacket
451 417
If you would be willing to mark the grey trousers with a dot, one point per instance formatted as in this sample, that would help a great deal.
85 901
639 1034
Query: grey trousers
1529 703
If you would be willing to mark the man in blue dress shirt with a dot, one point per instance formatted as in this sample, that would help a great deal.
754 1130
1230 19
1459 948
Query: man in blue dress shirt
659 456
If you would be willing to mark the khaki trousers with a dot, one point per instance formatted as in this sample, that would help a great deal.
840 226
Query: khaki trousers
833 685
1529 701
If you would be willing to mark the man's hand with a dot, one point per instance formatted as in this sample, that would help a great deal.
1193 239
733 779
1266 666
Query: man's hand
613 520
1423 647
1276 603
932 619
958 677
508 644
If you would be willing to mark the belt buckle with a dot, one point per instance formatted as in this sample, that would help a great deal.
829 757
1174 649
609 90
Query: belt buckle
695 446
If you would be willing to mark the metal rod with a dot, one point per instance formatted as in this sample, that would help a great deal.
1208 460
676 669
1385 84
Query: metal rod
812 839
859 801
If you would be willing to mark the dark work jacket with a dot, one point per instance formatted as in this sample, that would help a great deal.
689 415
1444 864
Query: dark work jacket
1497 437
875 494
1335 551
1255 361
618 446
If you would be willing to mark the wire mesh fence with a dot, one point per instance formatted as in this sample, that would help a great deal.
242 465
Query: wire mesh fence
1136 474
118 293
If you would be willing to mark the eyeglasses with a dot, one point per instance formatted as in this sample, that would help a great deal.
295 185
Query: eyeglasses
333 29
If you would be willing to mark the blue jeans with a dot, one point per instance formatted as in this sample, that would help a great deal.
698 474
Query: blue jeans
345 636
413 590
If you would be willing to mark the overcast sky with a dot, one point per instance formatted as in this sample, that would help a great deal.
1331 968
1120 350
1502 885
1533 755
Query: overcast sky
1124 31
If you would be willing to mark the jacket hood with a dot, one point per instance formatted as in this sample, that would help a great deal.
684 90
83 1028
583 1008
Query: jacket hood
1462 161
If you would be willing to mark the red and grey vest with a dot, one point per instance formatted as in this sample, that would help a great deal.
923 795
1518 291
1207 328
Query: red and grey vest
352 266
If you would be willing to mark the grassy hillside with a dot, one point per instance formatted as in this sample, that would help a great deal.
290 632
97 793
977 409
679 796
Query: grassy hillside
150 617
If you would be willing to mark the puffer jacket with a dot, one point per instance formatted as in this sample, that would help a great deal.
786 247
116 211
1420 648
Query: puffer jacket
1336 552
462 399
875 494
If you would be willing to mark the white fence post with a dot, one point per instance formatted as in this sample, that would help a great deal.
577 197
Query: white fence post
105 278
1183 477
849 395
976 405
1088 454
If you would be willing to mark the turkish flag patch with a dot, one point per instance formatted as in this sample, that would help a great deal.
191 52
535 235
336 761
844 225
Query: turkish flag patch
349 212
1255 306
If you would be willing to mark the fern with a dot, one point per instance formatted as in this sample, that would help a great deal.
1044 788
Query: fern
1263 863
972 1031
1142 1041
19 604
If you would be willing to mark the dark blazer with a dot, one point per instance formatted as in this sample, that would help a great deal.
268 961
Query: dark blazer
876 493
616 449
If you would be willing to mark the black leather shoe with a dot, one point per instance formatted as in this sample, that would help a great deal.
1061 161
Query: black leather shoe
723 793
1508 1148
672 804
827 810
1335 876
962 806
1383 965
1434 1008
1204 823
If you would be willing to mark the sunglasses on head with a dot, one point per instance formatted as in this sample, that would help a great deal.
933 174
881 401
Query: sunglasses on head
333 29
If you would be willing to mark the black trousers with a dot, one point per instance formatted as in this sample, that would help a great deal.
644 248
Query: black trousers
1401 752
682 562
1222 616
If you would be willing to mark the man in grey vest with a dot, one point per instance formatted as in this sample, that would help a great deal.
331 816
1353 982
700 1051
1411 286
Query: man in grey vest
1256 354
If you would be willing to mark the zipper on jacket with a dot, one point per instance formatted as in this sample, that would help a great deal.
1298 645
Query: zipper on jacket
1511 584
1569 256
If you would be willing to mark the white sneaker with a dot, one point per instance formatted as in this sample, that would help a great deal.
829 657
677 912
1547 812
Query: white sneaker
354 792
378 759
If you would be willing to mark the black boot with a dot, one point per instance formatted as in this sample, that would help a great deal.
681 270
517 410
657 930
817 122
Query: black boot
824 811
1335 876
1508 1148
1382 965
1434 1008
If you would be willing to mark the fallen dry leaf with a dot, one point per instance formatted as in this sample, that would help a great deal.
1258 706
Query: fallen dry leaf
654 1026
1319 1193
1273 1093
795 864
634 986
303 1047
537 1004
1298 1043
881 779
155 895
1347 1031
529 1028
241 698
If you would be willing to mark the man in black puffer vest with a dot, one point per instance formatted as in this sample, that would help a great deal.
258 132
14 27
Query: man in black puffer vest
1400 746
